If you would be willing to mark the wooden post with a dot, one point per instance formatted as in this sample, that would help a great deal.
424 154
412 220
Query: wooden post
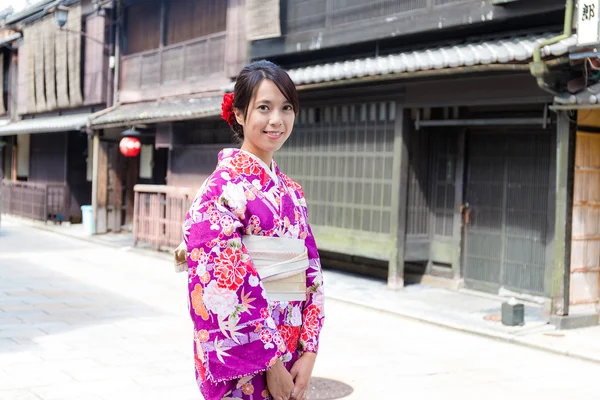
94 155
565 156
458 201
399 198
131 179
136 218
14 161
116 200
102 188
44 205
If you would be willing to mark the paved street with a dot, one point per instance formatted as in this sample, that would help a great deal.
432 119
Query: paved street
84 321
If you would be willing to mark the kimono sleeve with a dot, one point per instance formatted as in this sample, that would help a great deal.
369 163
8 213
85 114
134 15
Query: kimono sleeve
234 334
313 313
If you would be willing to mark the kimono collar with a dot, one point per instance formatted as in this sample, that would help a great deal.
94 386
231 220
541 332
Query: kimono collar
250 165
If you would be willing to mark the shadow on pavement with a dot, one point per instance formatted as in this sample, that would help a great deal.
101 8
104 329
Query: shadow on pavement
38 302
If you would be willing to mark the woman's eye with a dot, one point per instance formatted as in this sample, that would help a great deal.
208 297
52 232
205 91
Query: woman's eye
263 108
288 108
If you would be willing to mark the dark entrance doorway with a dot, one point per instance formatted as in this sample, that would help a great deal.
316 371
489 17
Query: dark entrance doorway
507 188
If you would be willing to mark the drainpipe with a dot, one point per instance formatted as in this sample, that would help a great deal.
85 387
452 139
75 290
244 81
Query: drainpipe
539 68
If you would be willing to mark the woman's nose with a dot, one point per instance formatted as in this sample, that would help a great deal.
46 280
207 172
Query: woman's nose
275 119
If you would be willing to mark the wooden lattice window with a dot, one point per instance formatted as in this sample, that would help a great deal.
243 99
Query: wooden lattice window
342 156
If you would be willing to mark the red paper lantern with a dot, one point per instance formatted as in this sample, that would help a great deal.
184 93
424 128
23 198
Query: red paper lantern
130 146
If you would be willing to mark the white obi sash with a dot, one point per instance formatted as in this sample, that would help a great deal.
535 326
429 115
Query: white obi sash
281 264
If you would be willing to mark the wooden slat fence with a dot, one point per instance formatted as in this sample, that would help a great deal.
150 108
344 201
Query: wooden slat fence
39 201
159 212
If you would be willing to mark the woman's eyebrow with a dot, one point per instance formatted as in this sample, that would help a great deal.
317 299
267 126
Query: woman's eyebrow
265 101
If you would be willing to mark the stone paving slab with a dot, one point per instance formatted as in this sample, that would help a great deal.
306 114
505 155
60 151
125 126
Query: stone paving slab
462 310
128 343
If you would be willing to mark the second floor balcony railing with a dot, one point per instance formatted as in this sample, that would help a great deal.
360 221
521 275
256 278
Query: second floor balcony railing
182 68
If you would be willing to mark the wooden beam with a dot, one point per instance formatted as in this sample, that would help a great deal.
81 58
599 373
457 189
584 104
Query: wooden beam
565 156
439 91
458 201
399 198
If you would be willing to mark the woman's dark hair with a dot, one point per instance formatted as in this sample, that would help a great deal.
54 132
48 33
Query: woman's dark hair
247 82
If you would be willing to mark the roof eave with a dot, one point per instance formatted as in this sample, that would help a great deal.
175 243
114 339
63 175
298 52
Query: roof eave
29 12
418 74
122 123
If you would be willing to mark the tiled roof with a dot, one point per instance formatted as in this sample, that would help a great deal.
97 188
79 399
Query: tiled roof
61 123
174 110
515 49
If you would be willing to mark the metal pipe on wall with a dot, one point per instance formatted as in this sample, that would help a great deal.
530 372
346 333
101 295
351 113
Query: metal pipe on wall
538 68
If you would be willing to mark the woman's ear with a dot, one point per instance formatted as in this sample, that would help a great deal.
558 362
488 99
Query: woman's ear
239 116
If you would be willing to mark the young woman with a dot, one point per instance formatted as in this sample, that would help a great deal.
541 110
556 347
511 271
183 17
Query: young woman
255 281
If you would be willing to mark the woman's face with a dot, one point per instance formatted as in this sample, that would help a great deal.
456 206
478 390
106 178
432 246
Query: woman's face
269 121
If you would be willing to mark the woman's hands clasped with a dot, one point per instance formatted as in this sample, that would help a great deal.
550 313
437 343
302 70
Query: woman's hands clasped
284 385
280 382
301 372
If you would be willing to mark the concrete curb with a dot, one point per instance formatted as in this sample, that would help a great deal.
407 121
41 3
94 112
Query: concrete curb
504 337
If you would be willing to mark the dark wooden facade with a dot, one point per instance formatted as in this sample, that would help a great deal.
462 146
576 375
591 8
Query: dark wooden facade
179 21
344 153
382 187
194 157
321 26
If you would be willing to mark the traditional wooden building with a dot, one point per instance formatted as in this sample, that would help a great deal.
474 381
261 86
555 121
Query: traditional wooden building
57 75
424 144
176 59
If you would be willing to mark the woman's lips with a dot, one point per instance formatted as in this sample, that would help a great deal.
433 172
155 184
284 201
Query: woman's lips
273 134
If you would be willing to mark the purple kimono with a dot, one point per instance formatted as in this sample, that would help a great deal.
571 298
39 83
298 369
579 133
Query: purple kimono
238 332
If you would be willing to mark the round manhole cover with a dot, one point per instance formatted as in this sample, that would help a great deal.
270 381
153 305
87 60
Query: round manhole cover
327 389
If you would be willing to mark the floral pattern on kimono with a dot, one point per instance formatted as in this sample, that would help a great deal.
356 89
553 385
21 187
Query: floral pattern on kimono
238 332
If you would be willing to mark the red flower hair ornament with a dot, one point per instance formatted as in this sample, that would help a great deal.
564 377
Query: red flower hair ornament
227 108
